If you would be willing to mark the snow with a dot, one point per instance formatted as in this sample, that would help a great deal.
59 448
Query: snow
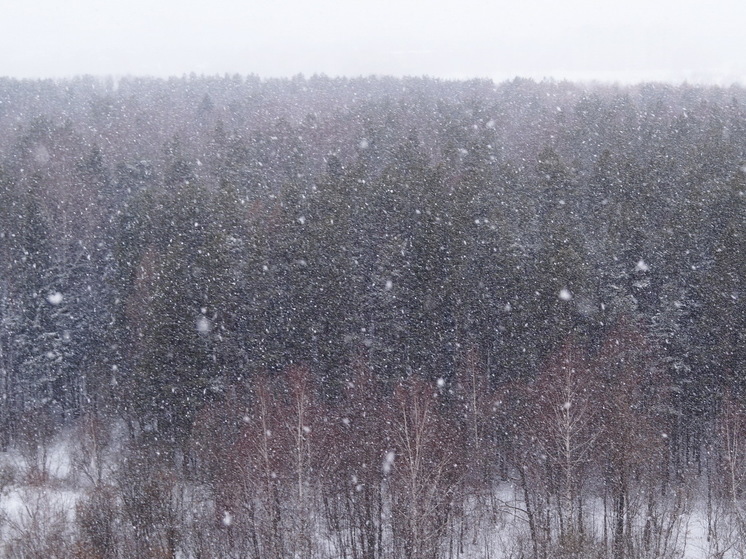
204 325
54 298
41 154
27 509
388 462
565 294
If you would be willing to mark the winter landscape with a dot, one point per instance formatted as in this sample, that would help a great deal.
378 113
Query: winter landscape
371 318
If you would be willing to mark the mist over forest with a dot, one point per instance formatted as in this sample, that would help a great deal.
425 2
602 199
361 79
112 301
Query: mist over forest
372 318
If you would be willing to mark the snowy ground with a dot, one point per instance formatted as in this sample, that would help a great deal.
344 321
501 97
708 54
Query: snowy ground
34 511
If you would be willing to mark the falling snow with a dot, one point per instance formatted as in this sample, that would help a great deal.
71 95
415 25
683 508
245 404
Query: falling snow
204 325
641 266
388 462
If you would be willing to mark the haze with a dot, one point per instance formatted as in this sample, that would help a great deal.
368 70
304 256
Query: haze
585 40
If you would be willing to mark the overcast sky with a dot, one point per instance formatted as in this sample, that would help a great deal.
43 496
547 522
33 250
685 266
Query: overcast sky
623 40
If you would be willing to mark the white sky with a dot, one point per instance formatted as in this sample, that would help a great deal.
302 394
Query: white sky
623 40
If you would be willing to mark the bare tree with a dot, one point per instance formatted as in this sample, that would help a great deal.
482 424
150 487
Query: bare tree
558 429
152 496
97 518
727 481
93 446
634 448
40 529
250 500
36 432
426 471
350 457
298 417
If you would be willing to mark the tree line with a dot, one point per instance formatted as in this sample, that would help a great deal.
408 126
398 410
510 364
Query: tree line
448 284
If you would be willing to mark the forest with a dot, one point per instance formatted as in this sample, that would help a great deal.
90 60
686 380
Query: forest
371 318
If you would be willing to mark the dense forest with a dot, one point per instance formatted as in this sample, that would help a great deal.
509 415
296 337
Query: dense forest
373 318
